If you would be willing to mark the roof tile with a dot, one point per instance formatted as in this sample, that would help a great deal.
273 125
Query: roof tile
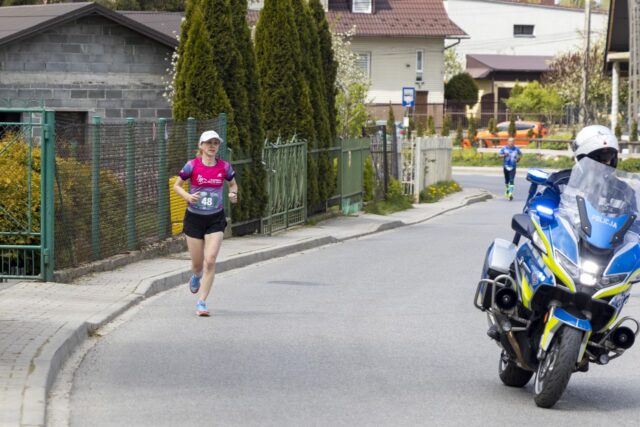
396 18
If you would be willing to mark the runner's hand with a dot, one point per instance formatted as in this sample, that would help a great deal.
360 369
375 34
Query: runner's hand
193 198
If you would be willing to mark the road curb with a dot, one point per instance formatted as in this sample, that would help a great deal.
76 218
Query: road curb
44 369
57 349
477 198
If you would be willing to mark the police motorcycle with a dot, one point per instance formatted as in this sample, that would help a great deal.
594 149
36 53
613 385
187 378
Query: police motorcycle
554 301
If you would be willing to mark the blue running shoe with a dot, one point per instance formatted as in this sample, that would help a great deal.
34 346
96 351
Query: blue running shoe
201 308
194 284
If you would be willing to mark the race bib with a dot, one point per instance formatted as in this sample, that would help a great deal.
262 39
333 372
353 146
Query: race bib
509 168
208 201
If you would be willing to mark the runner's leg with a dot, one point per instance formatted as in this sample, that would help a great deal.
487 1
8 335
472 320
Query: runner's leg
212 244
196 251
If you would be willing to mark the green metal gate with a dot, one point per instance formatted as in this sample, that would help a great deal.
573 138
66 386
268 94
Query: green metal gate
26 194
286 163
351 175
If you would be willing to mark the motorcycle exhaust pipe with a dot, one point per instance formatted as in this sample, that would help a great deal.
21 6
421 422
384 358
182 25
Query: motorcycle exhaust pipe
623 337
506 299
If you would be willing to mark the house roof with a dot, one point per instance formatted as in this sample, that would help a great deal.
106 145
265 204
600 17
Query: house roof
480 66
396 18
617 44
392 18
167 23
19 22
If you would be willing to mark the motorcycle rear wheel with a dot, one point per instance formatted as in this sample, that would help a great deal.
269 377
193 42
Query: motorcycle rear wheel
555 370
512 375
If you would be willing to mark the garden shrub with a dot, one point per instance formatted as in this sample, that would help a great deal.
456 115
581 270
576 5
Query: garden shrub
73 213
446 125
434 192
72 198
395 195
629 165
14 163
472 157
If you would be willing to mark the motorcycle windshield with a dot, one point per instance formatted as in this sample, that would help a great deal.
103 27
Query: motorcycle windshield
608 199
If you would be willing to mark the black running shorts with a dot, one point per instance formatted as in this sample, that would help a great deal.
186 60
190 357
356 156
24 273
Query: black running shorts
196 225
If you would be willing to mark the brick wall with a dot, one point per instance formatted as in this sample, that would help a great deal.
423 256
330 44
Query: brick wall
92 65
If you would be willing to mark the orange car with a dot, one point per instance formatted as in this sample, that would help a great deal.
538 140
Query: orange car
483 137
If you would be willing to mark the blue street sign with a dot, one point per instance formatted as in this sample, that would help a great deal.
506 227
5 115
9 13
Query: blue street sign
408 96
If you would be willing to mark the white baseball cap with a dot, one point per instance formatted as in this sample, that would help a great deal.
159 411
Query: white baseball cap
210 134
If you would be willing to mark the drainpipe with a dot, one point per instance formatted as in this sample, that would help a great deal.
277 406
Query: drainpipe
452 45
615 85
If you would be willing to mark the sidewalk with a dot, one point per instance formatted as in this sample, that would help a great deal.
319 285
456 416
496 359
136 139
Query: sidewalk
42 323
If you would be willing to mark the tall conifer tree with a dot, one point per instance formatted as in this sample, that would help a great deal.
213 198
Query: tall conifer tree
242 35
329 64
286 108
319 167
228 62
199 91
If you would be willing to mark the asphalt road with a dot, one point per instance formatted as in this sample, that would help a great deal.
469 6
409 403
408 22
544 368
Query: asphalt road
495 185
378 331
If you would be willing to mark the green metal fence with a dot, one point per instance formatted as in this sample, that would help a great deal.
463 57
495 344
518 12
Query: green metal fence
112 186
102 189
286 162
26 162
354 152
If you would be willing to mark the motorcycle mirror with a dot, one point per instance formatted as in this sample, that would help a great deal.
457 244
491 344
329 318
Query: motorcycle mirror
521 224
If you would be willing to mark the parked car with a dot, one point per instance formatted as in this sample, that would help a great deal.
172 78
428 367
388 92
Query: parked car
523 128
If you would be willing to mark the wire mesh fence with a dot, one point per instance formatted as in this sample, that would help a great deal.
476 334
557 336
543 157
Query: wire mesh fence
112 185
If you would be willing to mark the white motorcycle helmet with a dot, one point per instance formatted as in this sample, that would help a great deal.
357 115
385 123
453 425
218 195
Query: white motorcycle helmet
598 143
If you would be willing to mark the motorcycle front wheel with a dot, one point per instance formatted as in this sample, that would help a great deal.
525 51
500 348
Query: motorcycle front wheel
555 370
512 375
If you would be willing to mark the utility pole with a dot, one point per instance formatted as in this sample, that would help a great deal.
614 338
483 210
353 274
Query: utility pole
584 116
634 61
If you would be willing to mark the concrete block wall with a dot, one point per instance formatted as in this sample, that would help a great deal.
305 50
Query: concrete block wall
93 65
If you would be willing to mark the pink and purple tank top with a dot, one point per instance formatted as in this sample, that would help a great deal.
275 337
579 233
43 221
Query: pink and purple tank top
208 181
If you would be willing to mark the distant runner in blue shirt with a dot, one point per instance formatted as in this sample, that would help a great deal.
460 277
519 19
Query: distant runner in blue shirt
511 155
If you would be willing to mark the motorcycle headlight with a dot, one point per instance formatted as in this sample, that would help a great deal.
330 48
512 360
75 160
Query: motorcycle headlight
589 271
568 265
613 279
588 279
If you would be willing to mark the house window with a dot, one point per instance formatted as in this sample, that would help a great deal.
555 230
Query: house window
419 65
363 61
523 30
361 6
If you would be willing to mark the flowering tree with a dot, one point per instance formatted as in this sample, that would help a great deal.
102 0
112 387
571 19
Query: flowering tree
352 85
565 76
452 64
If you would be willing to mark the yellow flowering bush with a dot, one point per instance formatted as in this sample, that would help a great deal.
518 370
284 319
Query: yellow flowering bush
439 190
21 168
14 190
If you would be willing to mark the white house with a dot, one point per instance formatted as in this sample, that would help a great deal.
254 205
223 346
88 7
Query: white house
506 27
401 43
